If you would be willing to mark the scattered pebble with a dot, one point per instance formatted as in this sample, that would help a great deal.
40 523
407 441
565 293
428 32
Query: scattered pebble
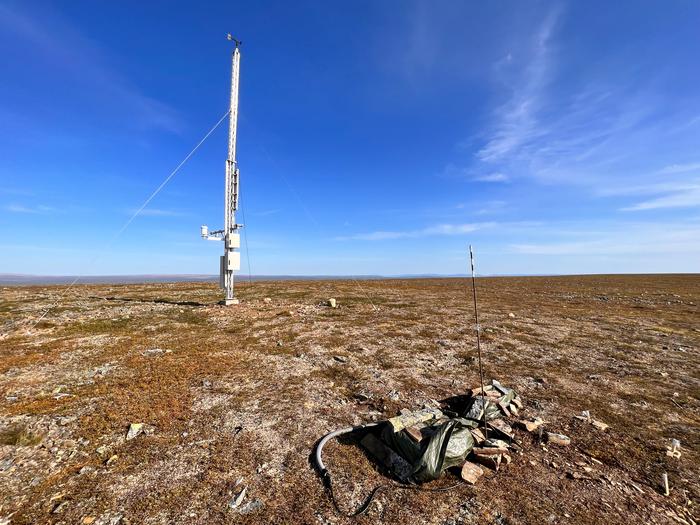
134 430
237 499
251 506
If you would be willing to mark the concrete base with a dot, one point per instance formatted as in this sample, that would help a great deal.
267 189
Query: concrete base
229 302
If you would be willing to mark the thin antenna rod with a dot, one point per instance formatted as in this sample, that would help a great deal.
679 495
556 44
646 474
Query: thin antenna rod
478 342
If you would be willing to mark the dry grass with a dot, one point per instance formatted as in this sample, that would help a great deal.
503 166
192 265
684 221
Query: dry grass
18 436
245 392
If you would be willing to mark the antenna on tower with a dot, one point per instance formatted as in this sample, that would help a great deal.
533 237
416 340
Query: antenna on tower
230 261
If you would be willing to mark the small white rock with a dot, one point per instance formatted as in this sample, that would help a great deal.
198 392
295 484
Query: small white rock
238 499
134 430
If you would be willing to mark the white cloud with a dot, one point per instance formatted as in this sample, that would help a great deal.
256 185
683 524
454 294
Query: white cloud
516 120
679 194
686 198
431 231
265 213
156 212
20 208
491 207
591 131
630 238
680 168
492 177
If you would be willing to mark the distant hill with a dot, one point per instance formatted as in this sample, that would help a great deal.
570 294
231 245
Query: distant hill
9 279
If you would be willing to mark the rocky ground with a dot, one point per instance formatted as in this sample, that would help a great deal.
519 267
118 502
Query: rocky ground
234 398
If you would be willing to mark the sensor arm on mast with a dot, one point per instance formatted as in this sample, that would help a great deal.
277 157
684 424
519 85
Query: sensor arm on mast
237 42
216 235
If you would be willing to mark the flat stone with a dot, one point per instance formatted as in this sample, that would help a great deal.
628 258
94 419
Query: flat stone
531 425
477 390
498 443
471 472
502 426
492 462
599 424
502 389
489 451
504 408
558 439
478 435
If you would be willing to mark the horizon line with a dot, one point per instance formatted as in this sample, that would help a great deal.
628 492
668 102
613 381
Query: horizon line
8 279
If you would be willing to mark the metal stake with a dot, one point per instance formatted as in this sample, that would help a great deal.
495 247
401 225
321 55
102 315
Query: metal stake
478 342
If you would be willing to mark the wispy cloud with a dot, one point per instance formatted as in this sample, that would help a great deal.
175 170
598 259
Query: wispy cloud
492 177
430 231
605 238
680 168
683 194
452 171
21 208
265 213
4 190
687 197
623 239
516 121
593 132
491 207
156 212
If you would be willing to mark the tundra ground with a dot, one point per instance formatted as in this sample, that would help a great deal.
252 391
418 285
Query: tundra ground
234 397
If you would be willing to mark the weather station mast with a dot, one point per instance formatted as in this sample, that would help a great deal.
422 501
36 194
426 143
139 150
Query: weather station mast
230 261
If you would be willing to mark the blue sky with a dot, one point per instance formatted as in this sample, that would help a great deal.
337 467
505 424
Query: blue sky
374 137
